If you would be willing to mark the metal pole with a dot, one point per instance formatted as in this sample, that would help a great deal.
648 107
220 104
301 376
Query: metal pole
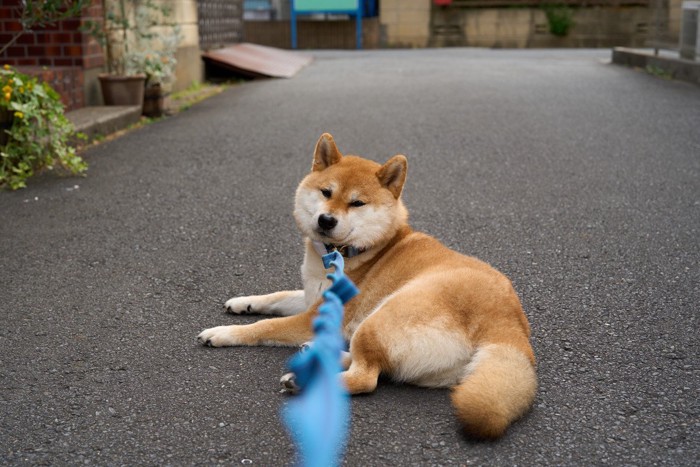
293 24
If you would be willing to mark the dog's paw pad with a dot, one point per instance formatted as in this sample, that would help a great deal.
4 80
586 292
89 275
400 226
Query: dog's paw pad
220 336
289 383
204 338
204 341
239 305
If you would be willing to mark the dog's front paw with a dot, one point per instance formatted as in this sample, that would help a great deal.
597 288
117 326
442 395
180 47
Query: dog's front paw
239 305
289 383
220 336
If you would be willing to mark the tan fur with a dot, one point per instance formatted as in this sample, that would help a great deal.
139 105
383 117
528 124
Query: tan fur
426 315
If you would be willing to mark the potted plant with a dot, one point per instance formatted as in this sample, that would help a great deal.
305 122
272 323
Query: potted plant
124 25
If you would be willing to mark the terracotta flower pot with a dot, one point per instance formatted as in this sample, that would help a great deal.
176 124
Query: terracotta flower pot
122 90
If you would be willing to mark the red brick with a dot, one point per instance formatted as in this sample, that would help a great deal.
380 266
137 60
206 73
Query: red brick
36 51
93 49
95 11
16 51
45 28
27 62
91 41
6 12
93 62
44 61
10 26
72 51
63 62
70 24
61 38
52 50
28 38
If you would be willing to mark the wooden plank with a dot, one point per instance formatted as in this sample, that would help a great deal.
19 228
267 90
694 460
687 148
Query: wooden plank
258 60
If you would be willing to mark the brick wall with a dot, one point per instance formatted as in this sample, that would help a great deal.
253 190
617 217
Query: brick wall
62 47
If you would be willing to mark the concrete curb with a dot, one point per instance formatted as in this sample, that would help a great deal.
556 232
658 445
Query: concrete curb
667 62
103 120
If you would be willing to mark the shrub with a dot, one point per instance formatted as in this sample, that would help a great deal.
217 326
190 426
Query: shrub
40 134
560 19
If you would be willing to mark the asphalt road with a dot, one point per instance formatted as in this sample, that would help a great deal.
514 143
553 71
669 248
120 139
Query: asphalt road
578 179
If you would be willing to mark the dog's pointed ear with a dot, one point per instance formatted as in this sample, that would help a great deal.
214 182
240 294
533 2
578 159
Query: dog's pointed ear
326 153
392 175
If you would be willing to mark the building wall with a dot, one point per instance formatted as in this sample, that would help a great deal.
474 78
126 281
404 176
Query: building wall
312 34
419 23
405 23
674 19
190 67
528 27
71 60
59 54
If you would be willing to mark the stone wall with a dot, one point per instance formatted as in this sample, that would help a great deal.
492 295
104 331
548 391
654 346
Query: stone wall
420 23
528 27
404 23
190 67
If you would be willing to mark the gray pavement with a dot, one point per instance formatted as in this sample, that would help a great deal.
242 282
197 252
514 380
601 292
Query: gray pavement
578 179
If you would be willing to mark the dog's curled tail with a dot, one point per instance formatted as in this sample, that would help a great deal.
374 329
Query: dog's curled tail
498 389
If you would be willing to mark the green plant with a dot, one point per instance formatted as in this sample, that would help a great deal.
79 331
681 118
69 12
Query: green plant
559 18
194 87
39 13
658 72
40 134
154 54
128 39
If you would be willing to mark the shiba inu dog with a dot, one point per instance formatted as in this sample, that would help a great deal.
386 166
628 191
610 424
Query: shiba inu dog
425 315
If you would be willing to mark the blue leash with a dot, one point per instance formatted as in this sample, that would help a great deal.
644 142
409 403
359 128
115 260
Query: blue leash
318 418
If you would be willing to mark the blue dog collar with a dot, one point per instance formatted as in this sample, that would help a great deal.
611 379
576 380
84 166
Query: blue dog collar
346 251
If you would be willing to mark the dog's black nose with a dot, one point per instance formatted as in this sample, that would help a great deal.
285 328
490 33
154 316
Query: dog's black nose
327 222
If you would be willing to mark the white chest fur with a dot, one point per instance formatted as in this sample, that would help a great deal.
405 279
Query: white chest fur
314 276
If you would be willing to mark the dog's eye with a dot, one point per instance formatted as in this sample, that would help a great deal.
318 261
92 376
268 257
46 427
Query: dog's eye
357 203
326 192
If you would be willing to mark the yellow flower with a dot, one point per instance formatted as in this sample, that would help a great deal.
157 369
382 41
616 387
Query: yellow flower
19 115
7 96
21 89
7 67
7 89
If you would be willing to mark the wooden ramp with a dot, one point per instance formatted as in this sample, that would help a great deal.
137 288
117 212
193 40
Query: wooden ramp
257 61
